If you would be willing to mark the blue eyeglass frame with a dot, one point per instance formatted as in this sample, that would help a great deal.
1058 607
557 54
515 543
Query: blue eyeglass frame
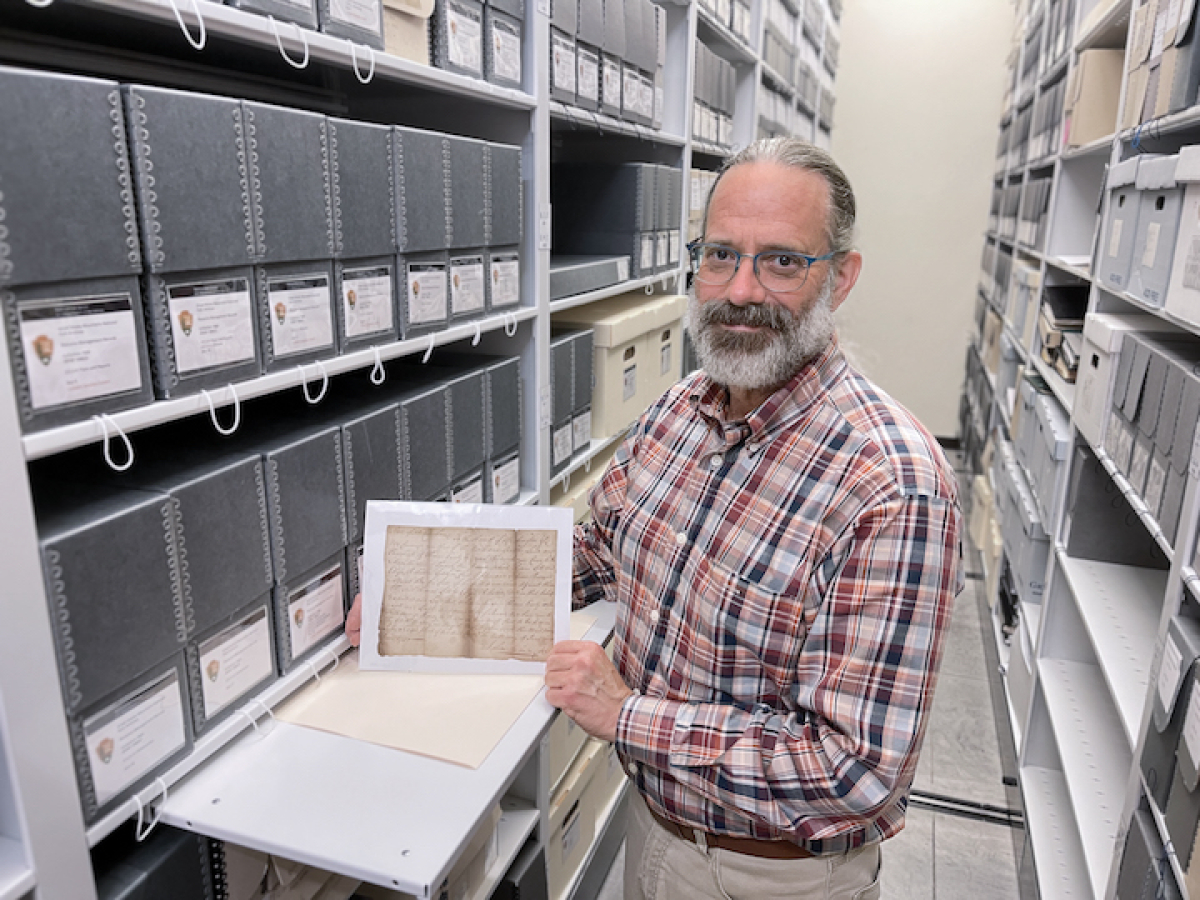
694 247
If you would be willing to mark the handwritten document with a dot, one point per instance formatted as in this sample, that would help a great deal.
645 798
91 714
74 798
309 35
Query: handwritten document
477 593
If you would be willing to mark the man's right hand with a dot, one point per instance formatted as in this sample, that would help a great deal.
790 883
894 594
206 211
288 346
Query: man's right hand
354 621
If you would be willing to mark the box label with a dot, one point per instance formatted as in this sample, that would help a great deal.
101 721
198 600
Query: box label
79 349
563 63
1168 674
315 610
1156 481
623 268
611 82
1191 266
673 241
1114 238
464 36
506 481
466 285
506 51
367 301
235 660
426 293
506 281
1137 469
212 324
563 447
662 249
1151 253
131 737
664 359
588 84
471 492
1191 727
301 319
631 87
629 383
647 253
581 431
646 101
364 14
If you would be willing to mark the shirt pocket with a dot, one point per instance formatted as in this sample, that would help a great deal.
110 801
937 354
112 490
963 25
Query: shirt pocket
756 634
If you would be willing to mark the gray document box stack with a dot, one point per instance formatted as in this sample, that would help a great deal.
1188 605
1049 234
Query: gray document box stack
425 436
364 225
120 632
371 448
423 227
69 254
191 169
170 863
505 226
294 233
360 21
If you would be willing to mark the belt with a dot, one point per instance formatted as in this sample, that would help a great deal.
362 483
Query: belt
749 846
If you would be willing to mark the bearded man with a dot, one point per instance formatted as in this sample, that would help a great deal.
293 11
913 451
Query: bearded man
782 541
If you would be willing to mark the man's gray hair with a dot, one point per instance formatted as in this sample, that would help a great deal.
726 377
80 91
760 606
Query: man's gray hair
798 154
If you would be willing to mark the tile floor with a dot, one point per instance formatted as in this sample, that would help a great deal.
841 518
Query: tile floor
968 754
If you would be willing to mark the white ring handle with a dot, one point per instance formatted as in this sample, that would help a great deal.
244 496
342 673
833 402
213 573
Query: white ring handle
478 335
354 61
249 718
237 412
105 420
650 289
336 659
428 350
312 667
40 4
313 401
140 833
510 324
198 43
303 64
378 372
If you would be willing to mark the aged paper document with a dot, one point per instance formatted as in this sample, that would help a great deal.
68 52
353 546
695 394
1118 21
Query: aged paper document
480 593
464 588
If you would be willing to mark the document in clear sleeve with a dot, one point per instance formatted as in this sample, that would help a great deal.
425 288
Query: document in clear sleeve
464 587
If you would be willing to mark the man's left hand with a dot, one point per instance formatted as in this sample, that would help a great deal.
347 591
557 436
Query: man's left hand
583 683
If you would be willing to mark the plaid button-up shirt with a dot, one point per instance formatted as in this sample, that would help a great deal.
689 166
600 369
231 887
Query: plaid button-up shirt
783 584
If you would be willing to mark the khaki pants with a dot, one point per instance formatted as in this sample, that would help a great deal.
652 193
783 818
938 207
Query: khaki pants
662 866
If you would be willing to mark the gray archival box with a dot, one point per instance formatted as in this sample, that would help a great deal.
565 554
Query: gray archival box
422 166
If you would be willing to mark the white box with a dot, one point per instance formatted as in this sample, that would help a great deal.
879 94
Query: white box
572 820
627 371
1120 228
1158 227
1102 336
1183 293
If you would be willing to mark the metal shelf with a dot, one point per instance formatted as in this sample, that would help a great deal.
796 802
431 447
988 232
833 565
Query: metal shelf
1057 854
1135 501
597 447
738 50
517 821
1109 28
602 123
1120 607
267 34
606 819
16 877
1082 272
662 280
221 735
1062 390
56 440
1084 720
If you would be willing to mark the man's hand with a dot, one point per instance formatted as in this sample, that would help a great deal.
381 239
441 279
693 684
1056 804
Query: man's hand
583 683
354 621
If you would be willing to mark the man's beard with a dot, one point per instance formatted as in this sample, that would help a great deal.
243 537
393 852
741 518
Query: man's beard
763 359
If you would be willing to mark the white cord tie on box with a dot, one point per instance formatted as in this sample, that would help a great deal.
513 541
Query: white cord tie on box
510 324
429 349
237 412
140 833
336 659
478 335
197 43
378 372
303 64
354 61
650 289
313 401
40 4
566 483
105 420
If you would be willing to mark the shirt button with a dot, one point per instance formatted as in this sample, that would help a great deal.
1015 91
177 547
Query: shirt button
632 769
715 461
654 614
681 537
753 448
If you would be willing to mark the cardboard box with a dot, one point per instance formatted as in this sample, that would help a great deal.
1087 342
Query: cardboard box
360 22
503 278
502 48
309 611
1158 225
169 863
1120 231
468 275
421 160
506 198
371 453
468 196
228 662
456 36
1183 294
628 358
425 441
365 300
1093 92
425 299
572 824
406 29
562 744
297 322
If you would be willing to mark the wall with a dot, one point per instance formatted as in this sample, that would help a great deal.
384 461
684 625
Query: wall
919 87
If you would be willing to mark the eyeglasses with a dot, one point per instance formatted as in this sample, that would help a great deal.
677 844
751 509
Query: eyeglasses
776 270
